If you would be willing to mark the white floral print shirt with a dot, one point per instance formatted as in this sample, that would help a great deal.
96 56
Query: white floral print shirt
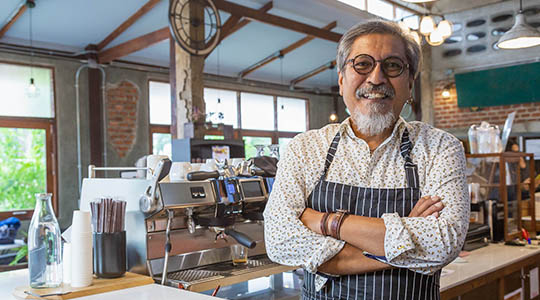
422 245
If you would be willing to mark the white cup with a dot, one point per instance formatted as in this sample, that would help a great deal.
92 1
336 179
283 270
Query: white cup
179 170
66 263
151 163
81 223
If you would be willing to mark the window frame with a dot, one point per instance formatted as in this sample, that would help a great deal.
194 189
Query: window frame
51 155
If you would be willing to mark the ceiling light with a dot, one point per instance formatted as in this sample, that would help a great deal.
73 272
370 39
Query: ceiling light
427 25
333 117
435 38
445 28
521 35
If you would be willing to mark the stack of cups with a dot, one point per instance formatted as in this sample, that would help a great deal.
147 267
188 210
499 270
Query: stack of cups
81 249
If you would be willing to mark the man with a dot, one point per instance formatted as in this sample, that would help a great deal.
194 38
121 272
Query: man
380 239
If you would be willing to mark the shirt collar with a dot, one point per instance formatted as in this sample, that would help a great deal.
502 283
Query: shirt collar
346 128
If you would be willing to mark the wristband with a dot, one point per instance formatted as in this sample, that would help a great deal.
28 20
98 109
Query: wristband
323 223
335 227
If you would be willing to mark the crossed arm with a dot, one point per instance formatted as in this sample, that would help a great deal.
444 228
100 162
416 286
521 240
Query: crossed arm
363 233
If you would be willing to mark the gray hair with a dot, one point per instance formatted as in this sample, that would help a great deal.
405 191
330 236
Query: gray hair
413 52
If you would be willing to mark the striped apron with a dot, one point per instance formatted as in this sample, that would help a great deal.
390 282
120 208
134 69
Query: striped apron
396 283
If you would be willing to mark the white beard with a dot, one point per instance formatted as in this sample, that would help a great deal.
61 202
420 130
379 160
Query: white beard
375 121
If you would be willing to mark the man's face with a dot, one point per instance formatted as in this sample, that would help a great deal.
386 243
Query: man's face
353 86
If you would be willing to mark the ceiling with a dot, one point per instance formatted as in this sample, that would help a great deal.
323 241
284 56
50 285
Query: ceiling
71 25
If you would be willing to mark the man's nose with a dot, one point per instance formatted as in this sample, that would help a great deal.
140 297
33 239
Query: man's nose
377 76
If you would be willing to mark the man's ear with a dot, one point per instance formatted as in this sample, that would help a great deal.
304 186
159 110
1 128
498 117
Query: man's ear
340 82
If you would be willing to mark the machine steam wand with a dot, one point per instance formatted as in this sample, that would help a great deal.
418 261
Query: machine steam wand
168 246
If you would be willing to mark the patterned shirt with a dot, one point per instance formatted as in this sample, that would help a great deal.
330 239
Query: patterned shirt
422 245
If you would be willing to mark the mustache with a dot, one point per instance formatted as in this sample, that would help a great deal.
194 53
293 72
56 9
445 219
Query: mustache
384 89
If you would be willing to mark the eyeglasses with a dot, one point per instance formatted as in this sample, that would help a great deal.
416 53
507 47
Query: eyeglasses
392 66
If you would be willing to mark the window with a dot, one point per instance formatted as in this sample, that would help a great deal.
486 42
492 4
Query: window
252 143
257 111
381 8
291 114
26 139
159 101
221 106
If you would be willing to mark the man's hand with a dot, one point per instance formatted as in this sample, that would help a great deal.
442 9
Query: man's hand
427 206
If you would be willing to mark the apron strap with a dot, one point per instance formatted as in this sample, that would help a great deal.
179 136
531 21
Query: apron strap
331 153
411 170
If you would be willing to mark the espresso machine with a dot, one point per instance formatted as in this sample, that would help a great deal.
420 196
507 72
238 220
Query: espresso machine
180 232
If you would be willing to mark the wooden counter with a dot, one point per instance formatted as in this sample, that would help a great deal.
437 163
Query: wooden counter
490 272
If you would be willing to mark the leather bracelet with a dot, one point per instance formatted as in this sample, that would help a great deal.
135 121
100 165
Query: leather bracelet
335 227
323 223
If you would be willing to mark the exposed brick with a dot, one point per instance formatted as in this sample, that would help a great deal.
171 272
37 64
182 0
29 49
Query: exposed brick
122 99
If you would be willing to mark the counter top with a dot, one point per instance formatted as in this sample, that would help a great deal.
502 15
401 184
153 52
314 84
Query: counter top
483 261
12 279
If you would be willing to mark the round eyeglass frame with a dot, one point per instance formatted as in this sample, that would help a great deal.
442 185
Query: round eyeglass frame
375 61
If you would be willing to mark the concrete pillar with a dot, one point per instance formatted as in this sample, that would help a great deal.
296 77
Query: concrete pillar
187 89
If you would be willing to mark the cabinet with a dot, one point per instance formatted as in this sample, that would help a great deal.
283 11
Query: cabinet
497 179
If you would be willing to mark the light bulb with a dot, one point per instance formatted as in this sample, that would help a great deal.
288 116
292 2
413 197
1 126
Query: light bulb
435 38
32 91
446 93
445 28
333 117
427 25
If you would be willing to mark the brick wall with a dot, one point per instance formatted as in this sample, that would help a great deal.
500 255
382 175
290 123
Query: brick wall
449 116
122 100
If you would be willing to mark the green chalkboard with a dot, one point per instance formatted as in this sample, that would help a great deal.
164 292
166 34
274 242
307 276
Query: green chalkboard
501 86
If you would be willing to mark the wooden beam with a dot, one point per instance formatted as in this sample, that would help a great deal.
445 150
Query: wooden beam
225 32
267 18
312 73
282 52
14 18
139 13
234 23
133 45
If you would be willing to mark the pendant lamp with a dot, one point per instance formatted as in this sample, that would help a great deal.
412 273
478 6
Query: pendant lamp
521 35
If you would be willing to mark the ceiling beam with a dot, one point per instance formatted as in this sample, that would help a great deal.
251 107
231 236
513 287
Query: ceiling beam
232 28
267 18
12 20
234 23
312 73
133 45
139 13
282 52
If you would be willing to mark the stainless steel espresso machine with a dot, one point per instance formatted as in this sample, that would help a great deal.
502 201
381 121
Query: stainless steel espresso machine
180 232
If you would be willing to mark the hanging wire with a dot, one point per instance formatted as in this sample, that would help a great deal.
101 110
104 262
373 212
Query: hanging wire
31 46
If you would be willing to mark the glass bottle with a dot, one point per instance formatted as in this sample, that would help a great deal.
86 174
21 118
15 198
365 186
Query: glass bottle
44 246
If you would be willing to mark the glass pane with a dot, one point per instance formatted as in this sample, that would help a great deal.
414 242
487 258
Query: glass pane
161 144
221 107
412 22
16 99
283 143
23 168
355 3
381 8
291 114
251 141
159 97
257 111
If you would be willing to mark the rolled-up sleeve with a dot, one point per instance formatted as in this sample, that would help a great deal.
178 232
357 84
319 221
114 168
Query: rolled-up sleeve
287 240
427 244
